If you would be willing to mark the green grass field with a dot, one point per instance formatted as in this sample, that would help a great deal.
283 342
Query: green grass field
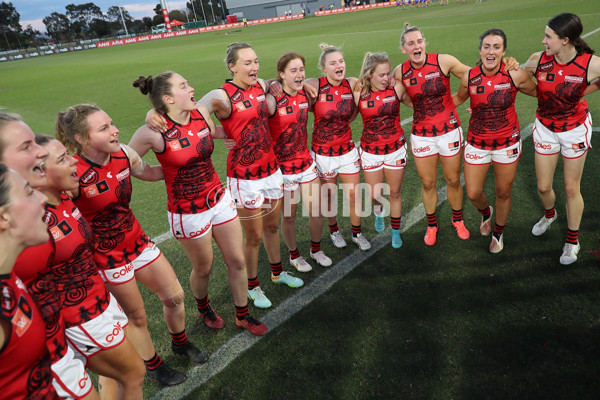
448 322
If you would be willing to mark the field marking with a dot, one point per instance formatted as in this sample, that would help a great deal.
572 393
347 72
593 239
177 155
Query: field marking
590 33
241 342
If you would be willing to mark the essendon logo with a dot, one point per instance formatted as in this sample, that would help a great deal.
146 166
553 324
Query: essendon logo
172 134
475 81
283 102
578 146
89 177
237 96
50 218
95 190
324 89
407 74
546 67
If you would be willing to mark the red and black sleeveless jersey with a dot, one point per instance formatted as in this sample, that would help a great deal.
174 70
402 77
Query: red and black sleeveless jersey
493 123
429 89
561 106
288 130
24 359
332 135
104 196
253 156
193 185
78 282
382 131
34 268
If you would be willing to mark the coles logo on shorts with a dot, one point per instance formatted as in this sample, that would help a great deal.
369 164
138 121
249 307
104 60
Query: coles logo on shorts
123 271
117 329
542 146
255 201
421 149
200 232
472 156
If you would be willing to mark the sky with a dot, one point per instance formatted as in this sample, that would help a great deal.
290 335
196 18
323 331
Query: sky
33 11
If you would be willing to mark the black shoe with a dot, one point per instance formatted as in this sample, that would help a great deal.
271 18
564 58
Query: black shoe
190 351
165 375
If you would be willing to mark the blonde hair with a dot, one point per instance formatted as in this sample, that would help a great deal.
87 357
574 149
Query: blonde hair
370 63
327 49
72 124
5 119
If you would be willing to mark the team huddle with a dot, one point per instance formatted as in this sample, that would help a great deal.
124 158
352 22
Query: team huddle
74 251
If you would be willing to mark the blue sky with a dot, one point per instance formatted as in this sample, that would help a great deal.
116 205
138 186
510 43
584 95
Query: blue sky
33 11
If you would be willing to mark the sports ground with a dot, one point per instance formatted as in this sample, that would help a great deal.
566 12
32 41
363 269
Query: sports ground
445 322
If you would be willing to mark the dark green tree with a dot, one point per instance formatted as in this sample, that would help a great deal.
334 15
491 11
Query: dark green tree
58 27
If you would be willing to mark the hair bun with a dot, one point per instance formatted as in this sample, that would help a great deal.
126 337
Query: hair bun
144 84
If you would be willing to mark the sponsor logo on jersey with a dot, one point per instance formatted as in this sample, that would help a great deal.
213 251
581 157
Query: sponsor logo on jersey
432 75
389 99
261 97
95 190
407 74
282 102
480 89
546 66
203 132
123 174
23 317
475 81
326 97
502 86
76 213
324 89
347 96
574 79
303 106
546 77
60 231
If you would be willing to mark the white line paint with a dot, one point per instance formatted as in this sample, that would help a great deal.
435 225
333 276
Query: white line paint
590 33
241 342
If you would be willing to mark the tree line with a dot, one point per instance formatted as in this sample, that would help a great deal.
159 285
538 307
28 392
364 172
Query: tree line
87 21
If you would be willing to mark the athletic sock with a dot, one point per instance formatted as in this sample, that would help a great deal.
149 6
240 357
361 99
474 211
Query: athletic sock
486 212
294 254
498 230
276 268
333 228
315 246
457 215
432 219
356 229
180 338
395 222
153 363
550 213
241 312
203 304
572 236
253 283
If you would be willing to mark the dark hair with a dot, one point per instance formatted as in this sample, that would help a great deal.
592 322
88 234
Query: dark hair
72 123
285 59
567 25
491 32
42 139
156 88
5 119
4 185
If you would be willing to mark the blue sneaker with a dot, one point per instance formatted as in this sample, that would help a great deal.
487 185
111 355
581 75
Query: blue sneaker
396 239
379 223
287 279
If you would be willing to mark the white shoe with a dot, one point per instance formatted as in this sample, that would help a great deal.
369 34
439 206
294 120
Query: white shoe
259 298
569 255
543 224
338 239
300 264
361 241
321 258
497 245
485 227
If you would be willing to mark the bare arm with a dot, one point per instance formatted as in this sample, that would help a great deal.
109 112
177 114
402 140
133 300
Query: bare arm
217 102
146 139
463 91
451 65
402 94
531 64
594 86
140 169
523 82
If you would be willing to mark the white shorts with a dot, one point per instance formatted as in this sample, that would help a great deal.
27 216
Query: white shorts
71 380
125 273
374 162
193 226
330 167
507 155
251 194
101 333
571 144
446 145
292 182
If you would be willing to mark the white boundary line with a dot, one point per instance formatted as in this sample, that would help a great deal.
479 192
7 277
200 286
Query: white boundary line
241 342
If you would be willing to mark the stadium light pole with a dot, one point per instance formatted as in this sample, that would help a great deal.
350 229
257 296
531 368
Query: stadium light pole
194 10
203 13
213 10
122 18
